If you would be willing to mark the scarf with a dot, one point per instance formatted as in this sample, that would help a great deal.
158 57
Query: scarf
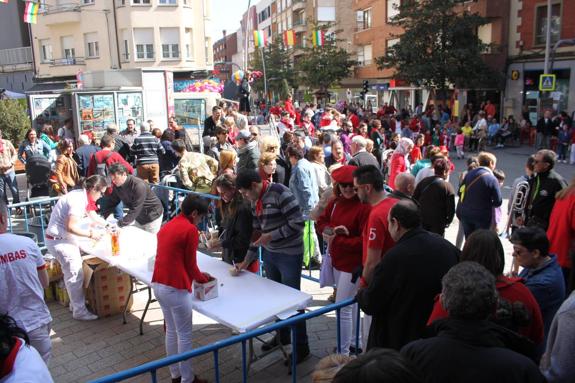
8 362
259 202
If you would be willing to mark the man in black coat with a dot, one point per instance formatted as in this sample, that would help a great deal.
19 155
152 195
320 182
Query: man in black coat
546 128
401 293
360 156
468 347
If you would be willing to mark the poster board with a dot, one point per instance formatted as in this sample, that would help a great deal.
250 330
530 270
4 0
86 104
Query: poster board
129 106
95 111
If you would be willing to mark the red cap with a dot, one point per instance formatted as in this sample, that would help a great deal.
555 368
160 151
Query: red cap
344 174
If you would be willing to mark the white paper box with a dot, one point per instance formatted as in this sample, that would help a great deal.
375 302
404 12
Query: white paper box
206 291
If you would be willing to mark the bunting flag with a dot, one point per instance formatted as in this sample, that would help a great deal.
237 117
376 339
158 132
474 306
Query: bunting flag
31 12
259 39
289 38
318 38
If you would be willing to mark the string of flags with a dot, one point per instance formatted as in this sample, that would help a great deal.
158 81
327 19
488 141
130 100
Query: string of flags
289 38
30 11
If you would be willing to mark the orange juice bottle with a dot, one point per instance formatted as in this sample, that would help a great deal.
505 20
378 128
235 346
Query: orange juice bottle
115 236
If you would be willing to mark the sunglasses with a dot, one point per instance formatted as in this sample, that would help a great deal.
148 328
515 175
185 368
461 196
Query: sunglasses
346 185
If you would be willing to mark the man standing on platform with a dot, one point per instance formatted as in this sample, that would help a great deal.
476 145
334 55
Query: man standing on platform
279 223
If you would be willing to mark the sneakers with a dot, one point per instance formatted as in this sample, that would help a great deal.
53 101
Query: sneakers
302 354
273 343
84 315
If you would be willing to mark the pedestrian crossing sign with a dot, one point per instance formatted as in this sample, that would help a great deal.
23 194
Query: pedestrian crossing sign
547 82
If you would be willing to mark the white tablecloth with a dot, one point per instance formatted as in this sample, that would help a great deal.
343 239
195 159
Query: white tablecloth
244 302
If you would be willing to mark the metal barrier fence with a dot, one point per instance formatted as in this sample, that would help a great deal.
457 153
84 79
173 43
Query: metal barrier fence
152 367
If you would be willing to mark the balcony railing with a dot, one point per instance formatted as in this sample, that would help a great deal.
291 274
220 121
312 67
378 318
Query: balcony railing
66 61
16 56
60 8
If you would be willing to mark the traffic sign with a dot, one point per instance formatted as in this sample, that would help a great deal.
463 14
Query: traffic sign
547 82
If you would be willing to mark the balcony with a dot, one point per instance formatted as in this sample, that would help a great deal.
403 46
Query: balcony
66 61
15 59
298 25
298 4
61 14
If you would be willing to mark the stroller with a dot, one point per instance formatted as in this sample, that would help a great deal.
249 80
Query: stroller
38 171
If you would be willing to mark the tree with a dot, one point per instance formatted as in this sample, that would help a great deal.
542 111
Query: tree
278 67
14 121
322 67
440 47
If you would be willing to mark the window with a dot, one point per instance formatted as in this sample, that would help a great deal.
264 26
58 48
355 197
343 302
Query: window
140 2
325 13
392 9
92 45
363 19
144 41
188 43
167 2
208 50
68 50
85 2
541 24
364 55
45 51
170 38
125 46
389 43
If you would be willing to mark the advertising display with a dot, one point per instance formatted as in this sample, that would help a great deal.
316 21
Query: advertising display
51 109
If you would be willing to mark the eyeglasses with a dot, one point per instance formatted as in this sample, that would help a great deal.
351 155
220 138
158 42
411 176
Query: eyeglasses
254 134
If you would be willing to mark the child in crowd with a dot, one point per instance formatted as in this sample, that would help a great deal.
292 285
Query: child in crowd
563 140
459 143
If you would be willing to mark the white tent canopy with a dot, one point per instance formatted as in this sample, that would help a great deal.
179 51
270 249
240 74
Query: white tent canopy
4 93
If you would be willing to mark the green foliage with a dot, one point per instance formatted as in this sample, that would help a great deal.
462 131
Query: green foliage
324 66
439 47
14 120
278 67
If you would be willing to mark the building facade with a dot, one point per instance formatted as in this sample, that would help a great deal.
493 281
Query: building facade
375 34
97 35
527 36
224 50
16 64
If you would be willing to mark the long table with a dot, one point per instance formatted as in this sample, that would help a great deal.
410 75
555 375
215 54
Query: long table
244 302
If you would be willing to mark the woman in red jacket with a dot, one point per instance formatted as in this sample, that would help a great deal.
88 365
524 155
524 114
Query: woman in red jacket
174 271
342 224
484 247
399 162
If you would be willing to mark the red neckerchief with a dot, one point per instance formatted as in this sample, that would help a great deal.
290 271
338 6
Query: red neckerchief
8 362
259 202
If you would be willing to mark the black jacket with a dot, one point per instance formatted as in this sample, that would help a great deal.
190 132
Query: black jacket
401 294
436 199
548 128
470 352
363 158
237 233
542 190
143 204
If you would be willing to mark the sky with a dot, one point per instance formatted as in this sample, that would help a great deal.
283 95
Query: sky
226 14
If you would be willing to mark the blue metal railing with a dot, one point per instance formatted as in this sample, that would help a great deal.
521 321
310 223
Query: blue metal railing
152 367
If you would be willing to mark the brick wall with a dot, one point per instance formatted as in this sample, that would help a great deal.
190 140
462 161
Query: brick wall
527 27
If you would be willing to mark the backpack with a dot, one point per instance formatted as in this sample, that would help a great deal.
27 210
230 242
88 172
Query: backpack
101 167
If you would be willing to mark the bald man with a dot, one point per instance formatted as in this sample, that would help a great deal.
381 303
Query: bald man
404 186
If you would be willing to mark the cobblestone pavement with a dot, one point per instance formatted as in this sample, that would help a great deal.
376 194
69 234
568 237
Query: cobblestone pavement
87 350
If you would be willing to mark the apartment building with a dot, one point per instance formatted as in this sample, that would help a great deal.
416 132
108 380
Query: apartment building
224 49
375 34
16 62
74 36
527 37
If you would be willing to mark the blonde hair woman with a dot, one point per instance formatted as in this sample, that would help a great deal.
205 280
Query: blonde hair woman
316 156
267 166
328 367
270 144
230 124
227 163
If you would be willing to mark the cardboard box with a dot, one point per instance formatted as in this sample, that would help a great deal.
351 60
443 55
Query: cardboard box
53 268
107 288
61 293
206 291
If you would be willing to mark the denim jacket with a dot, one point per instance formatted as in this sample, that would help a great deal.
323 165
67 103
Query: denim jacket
30 150
303 184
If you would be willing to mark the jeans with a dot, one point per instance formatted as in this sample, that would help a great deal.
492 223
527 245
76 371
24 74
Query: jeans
542 141
470 225
177 308
286 269
346 289
118 210
8 181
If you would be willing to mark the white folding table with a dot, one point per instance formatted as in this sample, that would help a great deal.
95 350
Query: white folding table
244 302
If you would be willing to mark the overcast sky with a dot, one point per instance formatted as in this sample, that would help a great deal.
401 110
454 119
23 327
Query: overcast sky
226 14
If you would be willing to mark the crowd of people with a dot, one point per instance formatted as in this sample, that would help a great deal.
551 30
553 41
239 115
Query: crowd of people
365 195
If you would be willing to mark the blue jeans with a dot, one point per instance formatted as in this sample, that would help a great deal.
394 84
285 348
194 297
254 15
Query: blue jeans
8 181
286 269
118 210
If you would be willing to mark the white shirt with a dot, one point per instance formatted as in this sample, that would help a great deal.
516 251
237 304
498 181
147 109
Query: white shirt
74 203
21 293
28 368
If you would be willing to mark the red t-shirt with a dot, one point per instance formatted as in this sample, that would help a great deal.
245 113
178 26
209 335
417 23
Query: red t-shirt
176 265
512 290
375 233
415 154
561 231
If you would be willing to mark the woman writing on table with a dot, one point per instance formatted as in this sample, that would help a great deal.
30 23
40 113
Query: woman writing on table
174 271
66 227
